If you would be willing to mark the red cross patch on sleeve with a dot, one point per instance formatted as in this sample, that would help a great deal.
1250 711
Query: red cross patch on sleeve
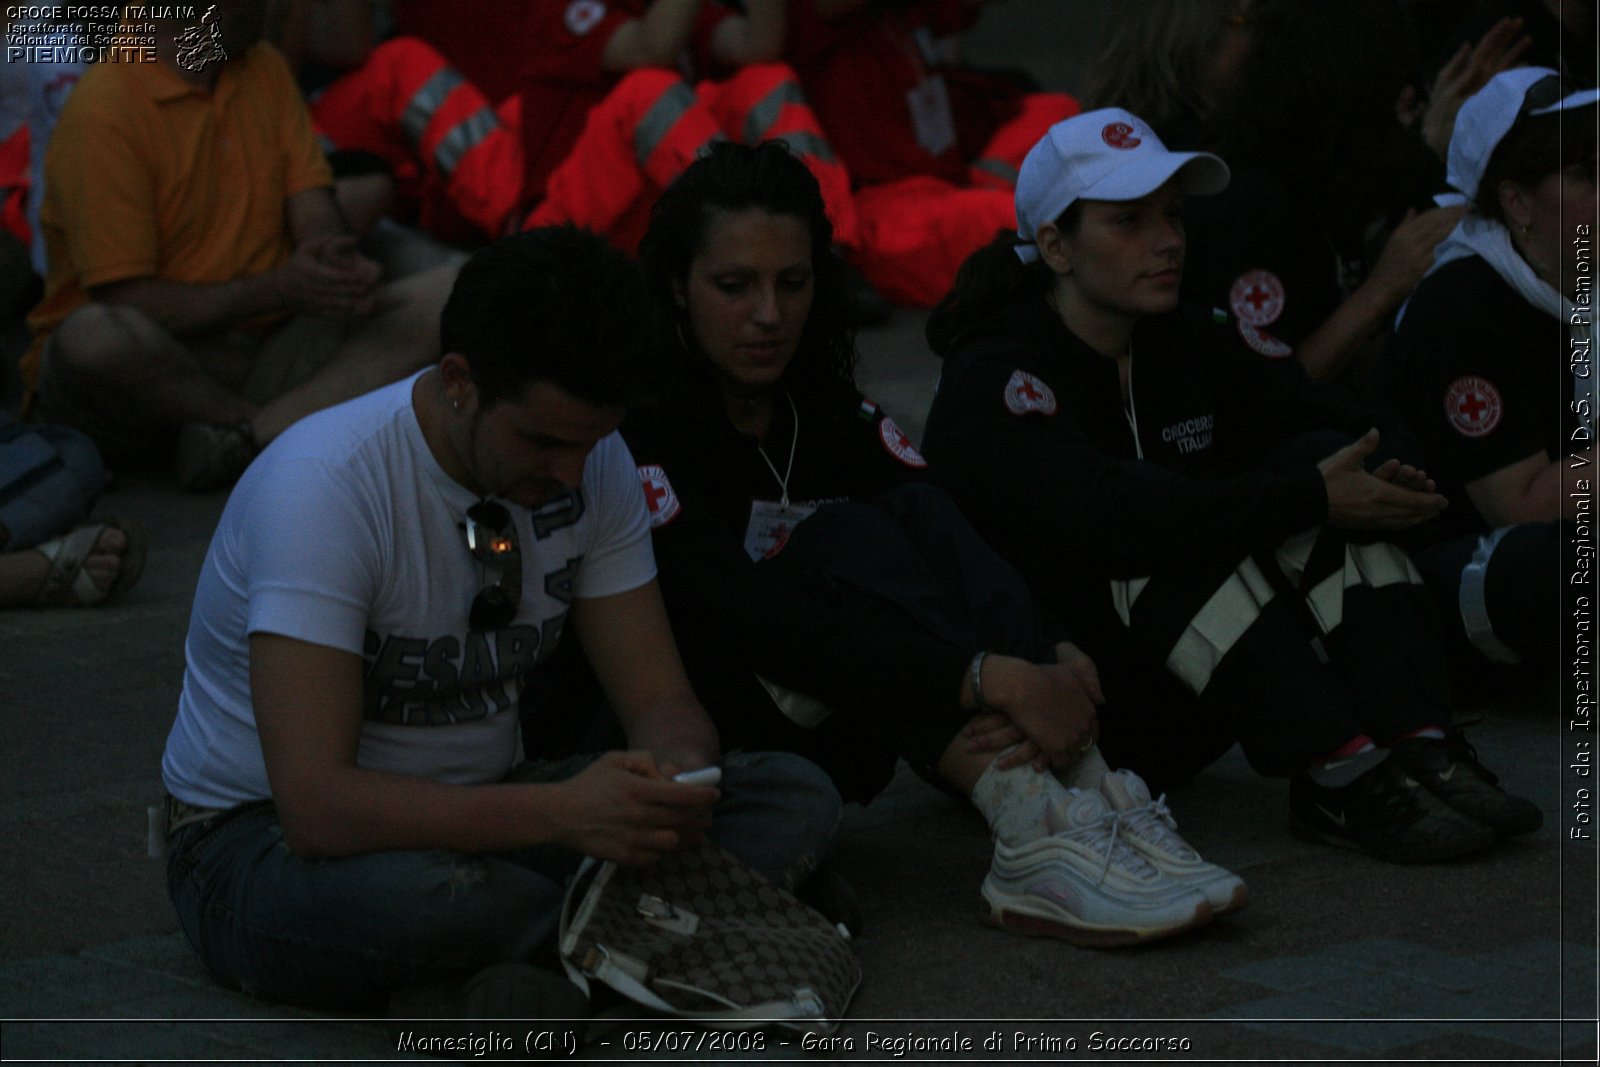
658 496
1025 393
1257 297
1473 406
584 15
899 445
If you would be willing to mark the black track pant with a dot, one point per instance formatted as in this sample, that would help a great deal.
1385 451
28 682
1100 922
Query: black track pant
1298 650
908 558
1514 610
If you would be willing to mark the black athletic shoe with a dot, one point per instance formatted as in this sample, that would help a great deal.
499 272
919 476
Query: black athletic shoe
1387 813
1450 769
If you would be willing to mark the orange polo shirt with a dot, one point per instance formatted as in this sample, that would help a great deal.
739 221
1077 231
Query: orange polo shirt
150 177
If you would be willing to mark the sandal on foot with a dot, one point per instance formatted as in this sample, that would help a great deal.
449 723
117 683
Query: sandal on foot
68 585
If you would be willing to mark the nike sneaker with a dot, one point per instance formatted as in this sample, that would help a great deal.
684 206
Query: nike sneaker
1149 827
1385 812
1449 768
1085 884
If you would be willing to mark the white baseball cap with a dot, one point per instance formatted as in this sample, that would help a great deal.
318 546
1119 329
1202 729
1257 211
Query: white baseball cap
1488 115
1109 154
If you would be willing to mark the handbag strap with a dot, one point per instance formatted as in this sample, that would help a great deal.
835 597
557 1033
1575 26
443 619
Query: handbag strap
623 982
576 911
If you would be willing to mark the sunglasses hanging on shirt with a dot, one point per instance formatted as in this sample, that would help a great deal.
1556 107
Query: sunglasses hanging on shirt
492 540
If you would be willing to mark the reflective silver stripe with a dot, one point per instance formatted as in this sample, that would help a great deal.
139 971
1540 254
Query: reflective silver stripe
764 114
1217 627
1295 552
999 168
1475 609
657 122
1123 594
466 133
802 143
1374 566
803 711
434 92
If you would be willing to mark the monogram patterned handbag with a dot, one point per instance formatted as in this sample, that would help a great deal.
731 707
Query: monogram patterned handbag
699 936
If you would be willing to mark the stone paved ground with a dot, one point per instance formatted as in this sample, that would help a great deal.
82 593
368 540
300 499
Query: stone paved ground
1337 958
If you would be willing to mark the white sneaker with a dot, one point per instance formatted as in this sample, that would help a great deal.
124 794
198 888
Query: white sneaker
1149 827
1084 885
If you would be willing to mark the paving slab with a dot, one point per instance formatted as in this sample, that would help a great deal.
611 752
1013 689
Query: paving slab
1336 958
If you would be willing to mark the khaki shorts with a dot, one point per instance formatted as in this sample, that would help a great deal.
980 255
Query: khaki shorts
257 366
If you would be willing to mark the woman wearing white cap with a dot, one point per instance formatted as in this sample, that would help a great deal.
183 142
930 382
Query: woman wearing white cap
1494 364
1187 507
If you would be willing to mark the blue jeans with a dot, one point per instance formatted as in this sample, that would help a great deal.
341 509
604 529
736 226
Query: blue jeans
345 933
49 478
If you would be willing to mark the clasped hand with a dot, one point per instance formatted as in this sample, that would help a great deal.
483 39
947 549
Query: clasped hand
329 276
1042 713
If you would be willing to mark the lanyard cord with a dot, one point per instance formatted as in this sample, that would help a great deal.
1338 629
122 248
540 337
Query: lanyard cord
783 480
1128 409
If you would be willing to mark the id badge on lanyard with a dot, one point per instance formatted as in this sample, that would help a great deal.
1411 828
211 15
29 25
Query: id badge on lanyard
931 116
771 523
929 102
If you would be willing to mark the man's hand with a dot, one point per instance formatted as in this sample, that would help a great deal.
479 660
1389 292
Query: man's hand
327 276
626 810
1361 501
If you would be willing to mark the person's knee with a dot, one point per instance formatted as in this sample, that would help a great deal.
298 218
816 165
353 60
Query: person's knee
97 340
408 332
79 456
473 908
800 805
420 297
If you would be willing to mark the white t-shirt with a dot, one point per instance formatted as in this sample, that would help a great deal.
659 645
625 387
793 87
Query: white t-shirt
346 533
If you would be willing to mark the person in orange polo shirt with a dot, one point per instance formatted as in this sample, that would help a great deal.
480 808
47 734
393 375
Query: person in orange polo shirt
204 290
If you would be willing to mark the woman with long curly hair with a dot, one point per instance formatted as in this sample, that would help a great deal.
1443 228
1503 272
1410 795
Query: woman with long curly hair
829 600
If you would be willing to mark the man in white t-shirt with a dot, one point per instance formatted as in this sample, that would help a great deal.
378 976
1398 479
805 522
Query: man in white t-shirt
351 814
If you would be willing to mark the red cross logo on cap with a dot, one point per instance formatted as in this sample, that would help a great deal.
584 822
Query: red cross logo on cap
658 496
1120 135
1025 393
899 445
1473 406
